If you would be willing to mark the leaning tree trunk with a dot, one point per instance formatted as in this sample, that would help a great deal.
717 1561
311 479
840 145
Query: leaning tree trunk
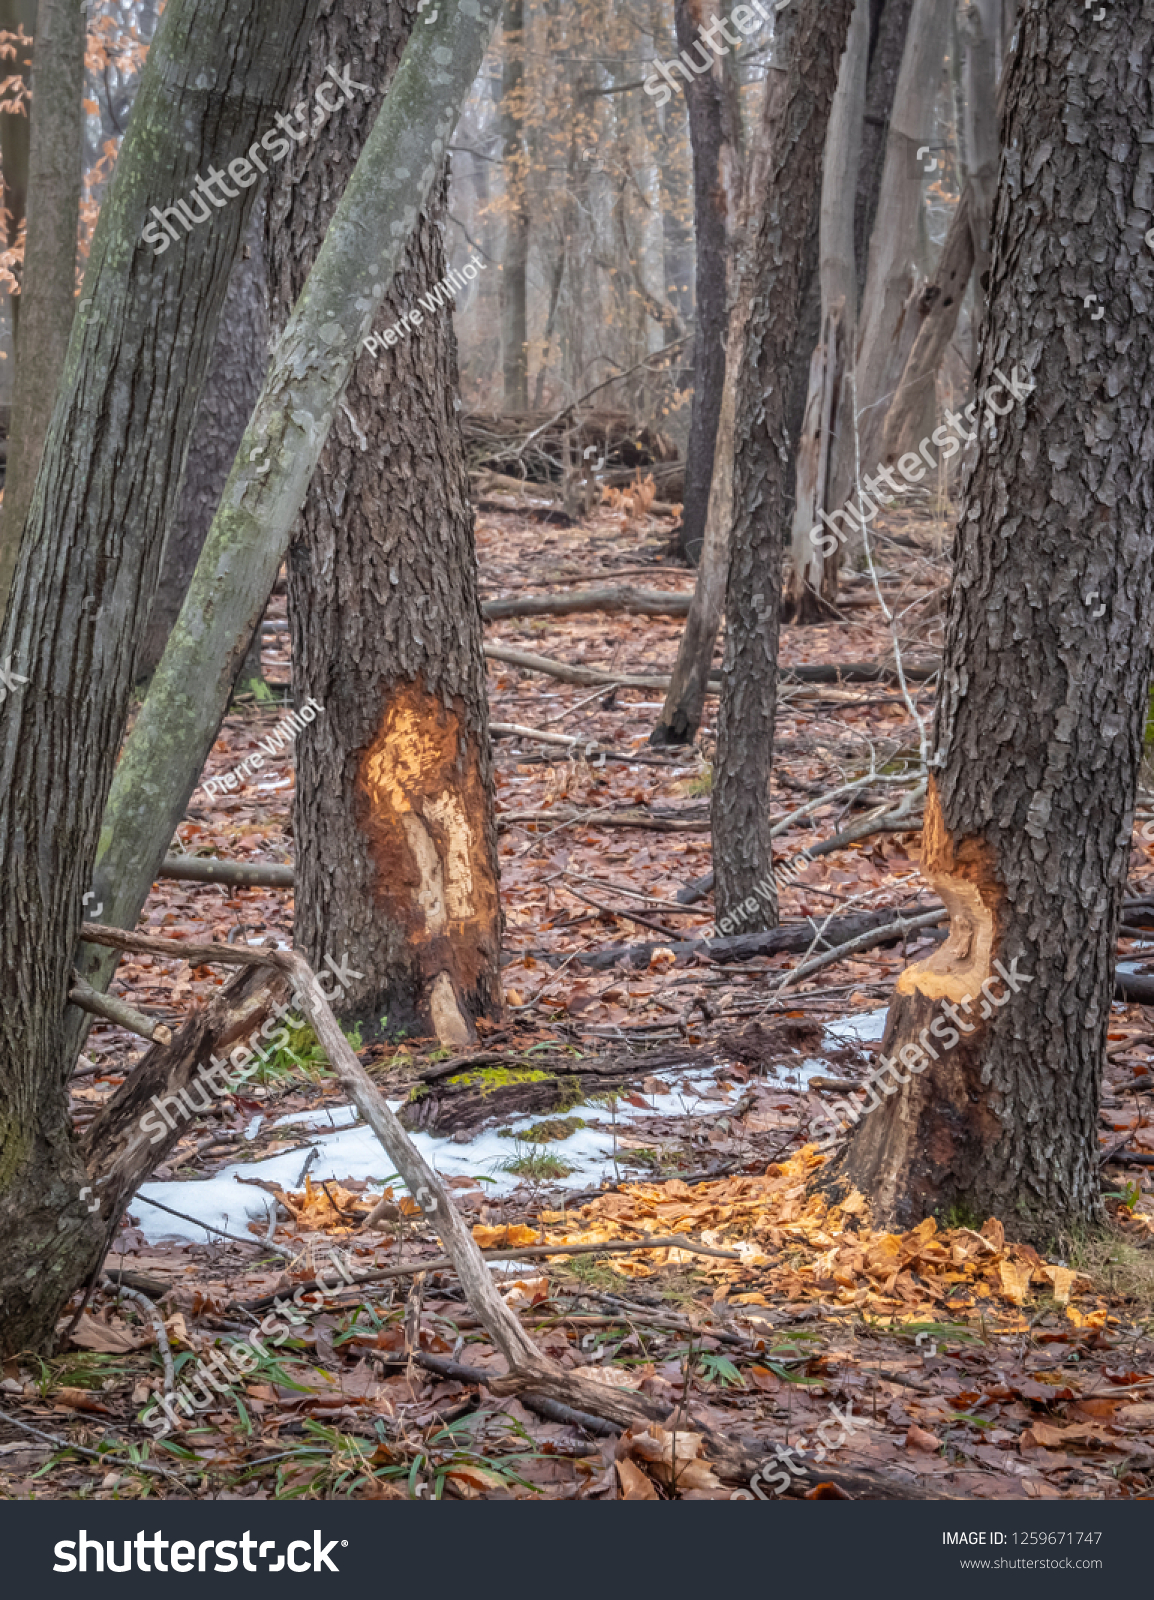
1047 664
714 135
393 814
238 367
48 281
302 394
811 582
742 847
108 483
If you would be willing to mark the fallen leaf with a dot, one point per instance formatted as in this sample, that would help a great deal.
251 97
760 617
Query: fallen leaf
918 1439
110 1338
634 1483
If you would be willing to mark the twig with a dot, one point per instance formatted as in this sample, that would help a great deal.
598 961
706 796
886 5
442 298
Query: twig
630 916
525 1253
597 388
212 1231
93 1455
158 1326
864 941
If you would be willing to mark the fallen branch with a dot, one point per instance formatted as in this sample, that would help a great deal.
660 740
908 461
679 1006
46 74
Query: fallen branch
790 938
242 874
588 677
641 602
865 941
604 819
119 1011
528 1368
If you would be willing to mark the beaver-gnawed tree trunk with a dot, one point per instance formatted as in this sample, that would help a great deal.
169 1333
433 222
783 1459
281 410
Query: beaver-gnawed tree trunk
1047 664
393 816
108 481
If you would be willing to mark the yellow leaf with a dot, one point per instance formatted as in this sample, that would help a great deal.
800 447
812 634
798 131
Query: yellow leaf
471 1482
504 1238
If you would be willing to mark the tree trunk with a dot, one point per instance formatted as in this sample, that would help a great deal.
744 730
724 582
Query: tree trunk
249 537
48 282
515 271
107 484
742 849
1046 668
393 813
967 245
688 684
889 29
15 131
811 583
714 135
885 323
239 363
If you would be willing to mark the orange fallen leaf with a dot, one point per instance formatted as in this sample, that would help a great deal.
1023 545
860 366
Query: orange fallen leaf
918 1439
635 1485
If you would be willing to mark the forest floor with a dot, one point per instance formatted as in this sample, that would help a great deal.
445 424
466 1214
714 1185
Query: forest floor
945 1362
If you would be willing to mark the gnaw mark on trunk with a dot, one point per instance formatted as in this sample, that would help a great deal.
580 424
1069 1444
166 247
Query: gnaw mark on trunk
963 875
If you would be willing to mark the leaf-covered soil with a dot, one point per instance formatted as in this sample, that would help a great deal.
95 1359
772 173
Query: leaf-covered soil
970 1366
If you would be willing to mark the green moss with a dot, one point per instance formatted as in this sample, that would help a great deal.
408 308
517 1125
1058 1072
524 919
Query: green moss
544 1132
490 1078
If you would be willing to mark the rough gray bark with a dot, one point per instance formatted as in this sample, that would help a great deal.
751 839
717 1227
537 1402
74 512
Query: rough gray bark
1047 664
515 267
107 485
714 131
393 811
811 582
685 698
885 328
239 363
162 760
742 847
48 281
14 131
889 25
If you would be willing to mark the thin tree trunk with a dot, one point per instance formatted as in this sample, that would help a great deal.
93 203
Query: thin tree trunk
515 271
685 698
15 131
885 330
393 812
1046 669
742 848
889 29
239 363
48 281
967 245
107 484
714 132
249 537
811 583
